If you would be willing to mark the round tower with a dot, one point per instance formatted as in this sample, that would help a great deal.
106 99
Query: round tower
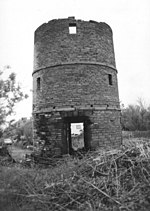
75 82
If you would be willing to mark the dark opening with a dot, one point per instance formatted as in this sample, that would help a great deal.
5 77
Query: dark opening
38 83
110 79
76 134
72 28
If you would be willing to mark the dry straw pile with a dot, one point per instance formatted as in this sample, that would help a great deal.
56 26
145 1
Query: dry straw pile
102 180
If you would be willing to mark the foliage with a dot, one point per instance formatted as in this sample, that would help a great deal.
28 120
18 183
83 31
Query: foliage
102 180
136 117
136 134
27 131
20 133
10 94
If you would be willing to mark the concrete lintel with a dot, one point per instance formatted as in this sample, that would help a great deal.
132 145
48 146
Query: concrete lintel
54 110
78 108
84 108
64 109
100 107
113 108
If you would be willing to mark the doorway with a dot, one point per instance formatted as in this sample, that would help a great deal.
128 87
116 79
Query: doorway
77 136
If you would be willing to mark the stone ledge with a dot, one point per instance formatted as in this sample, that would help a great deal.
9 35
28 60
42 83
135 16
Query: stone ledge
76 62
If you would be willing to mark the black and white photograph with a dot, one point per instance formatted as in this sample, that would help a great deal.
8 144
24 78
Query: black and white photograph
74 105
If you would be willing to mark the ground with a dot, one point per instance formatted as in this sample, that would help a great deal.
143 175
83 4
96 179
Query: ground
18 153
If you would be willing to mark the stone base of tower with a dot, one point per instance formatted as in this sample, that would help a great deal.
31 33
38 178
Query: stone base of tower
101 129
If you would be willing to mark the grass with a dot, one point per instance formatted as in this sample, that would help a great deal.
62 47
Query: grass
102 180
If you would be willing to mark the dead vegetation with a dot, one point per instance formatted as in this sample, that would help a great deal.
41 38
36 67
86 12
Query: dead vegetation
102 180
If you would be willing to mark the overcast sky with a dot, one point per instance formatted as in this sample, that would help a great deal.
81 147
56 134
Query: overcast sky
129 20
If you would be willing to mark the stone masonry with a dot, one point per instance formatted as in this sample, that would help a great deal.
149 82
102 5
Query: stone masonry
75 80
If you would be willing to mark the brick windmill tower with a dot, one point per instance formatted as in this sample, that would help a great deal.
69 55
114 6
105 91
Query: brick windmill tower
75 88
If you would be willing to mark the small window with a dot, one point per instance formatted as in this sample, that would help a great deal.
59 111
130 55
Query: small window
38 83
110 79
72 28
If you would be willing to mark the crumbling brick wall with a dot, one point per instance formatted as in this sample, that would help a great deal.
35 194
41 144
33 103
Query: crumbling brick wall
74 80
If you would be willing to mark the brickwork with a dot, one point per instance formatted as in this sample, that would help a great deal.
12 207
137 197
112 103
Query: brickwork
75 85
54 45
75 80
